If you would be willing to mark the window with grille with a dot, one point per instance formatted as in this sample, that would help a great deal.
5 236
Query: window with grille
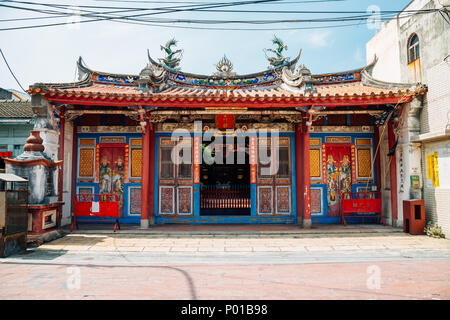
264 168
414 67
283 168
185 169
167 167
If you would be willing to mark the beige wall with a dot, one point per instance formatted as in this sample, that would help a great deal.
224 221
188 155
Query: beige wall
67 176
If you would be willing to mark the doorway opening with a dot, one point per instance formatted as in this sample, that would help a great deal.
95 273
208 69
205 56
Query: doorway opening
225 185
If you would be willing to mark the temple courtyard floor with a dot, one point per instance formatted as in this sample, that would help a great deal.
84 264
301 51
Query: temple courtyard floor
231 262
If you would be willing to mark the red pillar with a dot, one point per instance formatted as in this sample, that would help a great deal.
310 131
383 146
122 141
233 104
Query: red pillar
393 174
145 175
151 197
306 179
299 172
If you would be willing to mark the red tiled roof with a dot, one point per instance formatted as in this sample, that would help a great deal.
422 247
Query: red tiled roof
332 90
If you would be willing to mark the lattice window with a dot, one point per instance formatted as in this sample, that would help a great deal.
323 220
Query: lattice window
136 162
315 163
86 163
364 163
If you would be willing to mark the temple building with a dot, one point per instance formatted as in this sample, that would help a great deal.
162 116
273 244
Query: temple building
115 134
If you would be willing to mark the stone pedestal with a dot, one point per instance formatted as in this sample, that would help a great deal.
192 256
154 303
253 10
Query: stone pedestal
39 169
44 218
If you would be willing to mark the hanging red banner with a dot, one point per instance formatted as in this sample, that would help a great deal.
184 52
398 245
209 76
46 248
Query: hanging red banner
197 159
253 159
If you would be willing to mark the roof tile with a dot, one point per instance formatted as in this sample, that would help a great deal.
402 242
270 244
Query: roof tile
15 109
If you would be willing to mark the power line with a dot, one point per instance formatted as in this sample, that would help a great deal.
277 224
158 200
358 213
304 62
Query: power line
386 15
200 2
170 10
12 73
200 9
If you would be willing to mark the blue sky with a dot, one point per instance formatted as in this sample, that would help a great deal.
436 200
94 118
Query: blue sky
50 54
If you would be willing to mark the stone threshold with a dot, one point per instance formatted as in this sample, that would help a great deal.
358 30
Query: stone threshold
240 230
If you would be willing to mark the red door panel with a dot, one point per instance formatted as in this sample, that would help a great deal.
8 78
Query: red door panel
339 175
111 172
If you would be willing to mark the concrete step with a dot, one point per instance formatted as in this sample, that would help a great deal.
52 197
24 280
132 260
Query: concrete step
238 230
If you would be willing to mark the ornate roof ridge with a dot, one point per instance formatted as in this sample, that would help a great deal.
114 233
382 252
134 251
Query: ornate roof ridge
368 80
361 69
81 66
86 82
216 77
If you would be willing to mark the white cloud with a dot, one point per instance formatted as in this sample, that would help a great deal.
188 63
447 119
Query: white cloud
320 38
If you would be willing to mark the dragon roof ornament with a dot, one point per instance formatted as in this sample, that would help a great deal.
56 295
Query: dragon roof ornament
173 57
278 60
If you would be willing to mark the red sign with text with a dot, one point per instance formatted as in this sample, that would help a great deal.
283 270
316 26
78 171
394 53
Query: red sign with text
6 154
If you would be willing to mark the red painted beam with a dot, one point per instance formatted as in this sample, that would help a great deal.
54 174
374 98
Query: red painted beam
393 173
186 104
145 174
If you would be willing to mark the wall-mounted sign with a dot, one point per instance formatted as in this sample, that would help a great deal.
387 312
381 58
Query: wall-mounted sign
225 121
433 169
415 182
338 139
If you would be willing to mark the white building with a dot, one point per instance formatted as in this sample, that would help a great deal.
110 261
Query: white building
415 48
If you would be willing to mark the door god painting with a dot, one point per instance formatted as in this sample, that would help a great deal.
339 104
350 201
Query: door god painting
111 173
105 176
339 176
117 178
332 180
345 175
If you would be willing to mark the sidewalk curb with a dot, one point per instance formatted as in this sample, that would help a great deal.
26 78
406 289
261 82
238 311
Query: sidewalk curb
238 233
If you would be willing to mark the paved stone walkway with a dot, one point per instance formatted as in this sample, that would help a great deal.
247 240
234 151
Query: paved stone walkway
240 243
